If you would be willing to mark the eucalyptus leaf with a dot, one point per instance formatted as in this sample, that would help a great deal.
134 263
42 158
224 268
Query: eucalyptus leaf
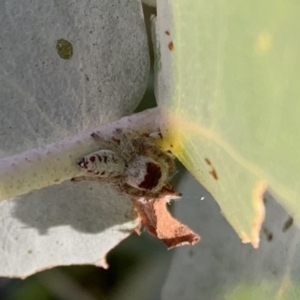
228 88
48 94
65 67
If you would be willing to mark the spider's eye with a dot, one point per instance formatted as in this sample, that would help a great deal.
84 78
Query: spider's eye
81 163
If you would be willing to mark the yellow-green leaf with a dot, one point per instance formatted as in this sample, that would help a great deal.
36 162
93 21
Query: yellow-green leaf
228 87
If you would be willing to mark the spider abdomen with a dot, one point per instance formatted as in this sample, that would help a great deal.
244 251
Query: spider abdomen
103 163
145 174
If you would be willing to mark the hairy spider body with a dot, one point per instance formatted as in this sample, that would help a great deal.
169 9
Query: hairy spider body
104 163
136 166
151 176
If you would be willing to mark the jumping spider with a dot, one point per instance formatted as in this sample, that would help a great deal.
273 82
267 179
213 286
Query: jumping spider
135 166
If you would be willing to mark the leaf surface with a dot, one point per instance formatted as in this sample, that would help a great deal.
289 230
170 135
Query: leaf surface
65 67
228 88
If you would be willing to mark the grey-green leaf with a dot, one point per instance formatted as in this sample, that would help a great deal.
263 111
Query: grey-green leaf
66 66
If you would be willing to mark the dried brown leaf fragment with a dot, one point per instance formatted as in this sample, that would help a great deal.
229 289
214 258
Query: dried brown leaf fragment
154 216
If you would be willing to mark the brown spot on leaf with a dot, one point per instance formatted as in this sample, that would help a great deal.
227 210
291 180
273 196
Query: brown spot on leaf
287 224
214 174
167 32
152 176
268 234
213 171
171 46
208 161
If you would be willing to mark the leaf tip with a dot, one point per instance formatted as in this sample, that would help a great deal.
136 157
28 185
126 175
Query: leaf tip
102 263
260 211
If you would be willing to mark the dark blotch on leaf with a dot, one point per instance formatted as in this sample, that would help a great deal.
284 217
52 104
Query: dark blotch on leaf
171 46
213 171
208 161
268 234
64 49
288 223
214 174
116 141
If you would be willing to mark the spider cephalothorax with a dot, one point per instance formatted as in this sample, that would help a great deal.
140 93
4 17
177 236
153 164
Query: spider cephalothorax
135 165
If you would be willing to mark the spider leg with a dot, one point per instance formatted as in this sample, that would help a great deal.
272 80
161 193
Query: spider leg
119 143
151 138
166 192
117 182
93 178
169 191
155 135
165 156
131 191
119 140
125 145
103 141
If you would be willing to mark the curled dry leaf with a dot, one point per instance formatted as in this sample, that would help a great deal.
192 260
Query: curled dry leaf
154 215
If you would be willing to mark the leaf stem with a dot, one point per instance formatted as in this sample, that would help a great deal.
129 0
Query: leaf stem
54 163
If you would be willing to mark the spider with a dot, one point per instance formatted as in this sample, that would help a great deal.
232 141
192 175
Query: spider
135 166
